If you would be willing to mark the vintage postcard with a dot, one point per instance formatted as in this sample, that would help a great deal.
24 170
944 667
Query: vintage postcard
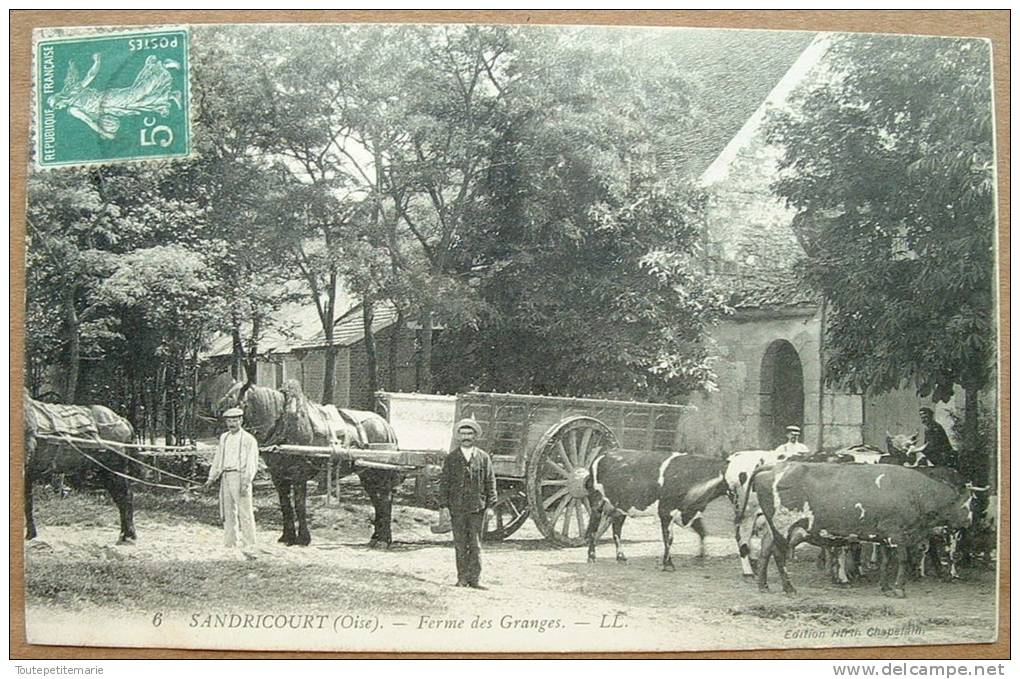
510 338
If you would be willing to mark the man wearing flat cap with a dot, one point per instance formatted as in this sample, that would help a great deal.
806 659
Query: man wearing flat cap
793 446
936 447
235 464
468 491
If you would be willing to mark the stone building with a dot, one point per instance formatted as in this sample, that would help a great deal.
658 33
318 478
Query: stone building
770 350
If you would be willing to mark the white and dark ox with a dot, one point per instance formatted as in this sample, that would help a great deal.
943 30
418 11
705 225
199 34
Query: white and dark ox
833 505
740 466
748 522
845 564
676 487
944 542
48 450
287 417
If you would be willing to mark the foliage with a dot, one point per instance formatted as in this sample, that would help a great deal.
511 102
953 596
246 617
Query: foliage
521 190
889 162
237 194
80 222
585 237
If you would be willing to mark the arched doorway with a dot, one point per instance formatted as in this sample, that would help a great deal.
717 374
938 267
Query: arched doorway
782 392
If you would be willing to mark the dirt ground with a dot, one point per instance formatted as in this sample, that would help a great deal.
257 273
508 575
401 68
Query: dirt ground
177 586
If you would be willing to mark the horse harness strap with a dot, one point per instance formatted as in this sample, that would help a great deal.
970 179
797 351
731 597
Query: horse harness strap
128 476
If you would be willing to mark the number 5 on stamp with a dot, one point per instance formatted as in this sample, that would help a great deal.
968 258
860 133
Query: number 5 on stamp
112 97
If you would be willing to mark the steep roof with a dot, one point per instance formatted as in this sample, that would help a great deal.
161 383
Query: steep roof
734 72
784 291
750 229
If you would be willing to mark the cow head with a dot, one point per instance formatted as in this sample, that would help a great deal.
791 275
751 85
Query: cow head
961 513
901 444
906 450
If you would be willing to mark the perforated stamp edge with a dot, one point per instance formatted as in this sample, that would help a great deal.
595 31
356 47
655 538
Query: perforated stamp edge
50 34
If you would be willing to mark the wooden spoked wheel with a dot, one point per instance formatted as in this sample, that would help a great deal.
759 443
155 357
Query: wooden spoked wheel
510 512
557 471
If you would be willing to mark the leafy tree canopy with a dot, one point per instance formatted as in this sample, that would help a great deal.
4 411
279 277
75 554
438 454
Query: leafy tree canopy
584 241
889 162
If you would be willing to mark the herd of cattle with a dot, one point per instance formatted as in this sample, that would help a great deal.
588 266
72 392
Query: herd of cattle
838 501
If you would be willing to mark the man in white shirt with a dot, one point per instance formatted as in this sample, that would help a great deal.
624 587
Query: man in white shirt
235 464
793 446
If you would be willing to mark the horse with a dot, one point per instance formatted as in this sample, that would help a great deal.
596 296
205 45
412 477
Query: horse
286 416
45 457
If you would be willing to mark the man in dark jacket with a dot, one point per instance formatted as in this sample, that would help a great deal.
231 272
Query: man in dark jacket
936 443
468 490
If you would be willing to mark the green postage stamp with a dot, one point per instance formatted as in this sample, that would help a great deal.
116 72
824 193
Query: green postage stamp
112 97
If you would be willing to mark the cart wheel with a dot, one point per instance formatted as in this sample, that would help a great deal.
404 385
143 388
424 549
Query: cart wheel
509 514
557 471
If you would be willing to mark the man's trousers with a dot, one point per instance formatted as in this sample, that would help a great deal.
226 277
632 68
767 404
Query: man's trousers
467 540
236 510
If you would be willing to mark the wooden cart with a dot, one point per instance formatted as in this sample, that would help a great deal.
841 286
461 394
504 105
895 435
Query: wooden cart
541 447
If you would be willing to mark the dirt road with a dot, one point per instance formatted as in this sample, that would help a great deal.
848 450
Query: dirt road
178 587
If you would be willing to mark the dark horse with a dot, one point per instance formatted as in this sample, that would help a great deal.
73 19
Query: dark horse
45 457
287 417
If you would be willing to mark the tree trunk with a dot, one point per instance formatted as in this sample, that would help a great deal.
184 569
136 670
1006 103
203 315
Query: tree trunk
193 400
251 370
974 462
424 358
329 372
395 333
164 403
327 317
236 353
72 360
368 315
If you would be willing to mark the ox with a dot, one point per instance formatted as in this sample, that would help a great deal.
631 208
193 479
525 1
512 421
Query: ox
900 449
675 486
740 466
837 504
944 539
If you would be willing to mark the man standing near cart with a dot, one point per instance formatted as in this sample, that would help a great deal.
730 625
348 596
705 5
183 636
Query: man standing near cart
235 464
468 491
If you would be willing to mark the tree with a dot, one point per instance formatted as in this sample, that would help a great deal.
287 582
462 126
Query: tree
583 236
79 223
296 104
166 289
236 189
888 159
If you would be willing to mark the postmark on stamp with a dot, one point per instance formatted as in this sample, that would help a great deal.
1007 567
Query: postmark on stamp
112 97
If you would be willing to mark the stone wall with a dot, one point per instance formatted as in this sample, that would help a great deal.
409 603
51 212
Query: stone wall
738 416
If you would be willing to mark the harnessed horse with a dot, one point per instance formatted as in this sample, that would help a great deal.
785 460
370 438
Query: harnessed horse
278 417
44 457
